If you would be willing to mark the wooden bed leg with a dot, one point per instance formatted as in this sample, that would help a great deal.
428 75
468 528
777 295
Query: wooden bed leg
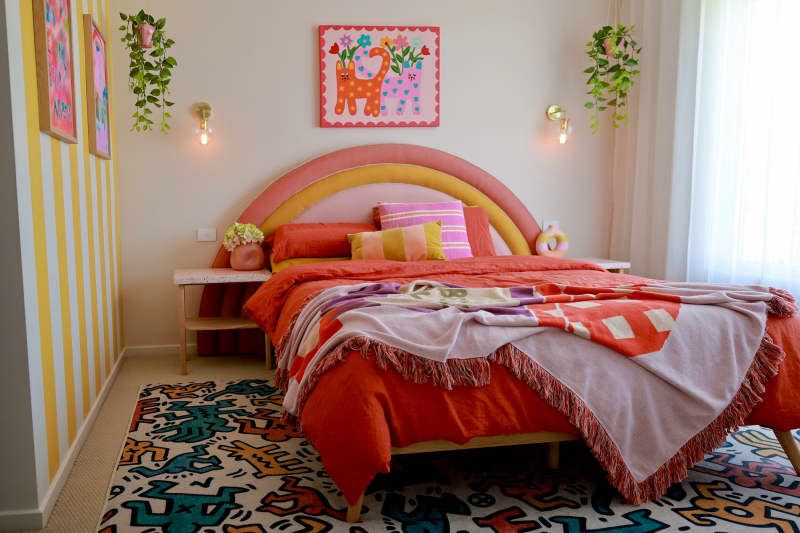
267 351
791 447
552 455
354 511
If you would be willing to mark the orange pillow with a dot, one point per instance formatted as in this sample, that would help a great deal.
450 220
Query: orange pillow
478 233
314 239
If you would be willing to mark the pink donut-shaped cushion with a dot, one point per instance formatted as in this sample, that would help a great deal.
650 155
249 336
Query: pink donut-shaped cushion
562 244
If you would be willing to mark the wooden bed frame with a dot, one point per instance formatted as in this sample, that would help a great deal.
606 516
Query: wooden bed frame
787 440
342 186
541 437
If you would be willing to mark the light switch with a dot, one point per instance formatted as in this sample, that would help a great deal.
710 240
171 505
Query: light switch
206 234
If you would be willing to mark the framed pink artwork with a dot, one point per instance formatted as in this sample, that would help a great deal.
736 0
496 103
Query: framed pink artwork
373 76
96 89
52 36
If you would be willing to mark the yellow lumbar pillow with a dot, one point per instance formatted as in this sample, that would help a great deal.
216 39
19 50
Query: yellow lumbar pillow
412 243
286 263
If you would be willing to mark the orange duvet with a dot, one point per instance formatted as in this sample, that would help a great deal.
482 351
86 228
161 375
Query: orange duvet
355 438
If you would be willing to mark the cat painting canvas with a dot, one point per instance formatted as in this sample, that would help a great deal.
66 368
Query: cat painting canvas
379 76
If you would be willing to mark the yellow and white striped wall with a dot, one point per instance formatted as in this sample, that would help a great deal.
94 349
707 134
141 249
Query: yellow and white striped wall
69 234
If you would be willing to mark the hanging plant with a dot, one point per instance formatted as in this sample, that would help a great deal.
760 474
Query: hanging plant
615 63
150 67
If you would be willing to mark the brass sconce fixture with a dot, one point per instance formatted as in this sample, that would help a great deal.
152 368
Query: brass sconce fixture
203 110
556 112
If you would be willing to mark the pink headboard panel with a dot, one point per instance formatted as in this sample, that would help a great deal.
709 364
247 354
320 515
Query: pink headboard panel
219 300
361 199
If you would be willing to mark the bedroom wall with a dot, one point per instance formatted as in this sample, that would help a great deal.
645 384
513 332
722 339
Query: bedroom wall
255 62
67 250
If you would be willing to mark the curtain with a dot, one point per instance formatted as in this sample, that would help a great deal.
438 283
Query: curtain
744 222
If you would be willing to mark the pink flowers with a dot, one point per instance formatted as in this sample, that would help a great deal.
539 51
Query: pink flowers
345 40
400 41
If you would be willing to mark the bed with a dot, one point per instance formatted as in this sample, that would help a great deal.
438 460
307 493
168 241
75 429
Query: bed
393 415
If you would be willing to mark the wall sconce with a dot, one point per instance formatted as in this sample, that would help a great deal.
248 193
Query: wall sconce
203 110
556 112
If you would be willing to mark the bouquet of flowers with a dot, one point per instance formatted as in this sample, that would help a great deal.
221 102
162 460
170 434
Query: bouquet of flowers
239 234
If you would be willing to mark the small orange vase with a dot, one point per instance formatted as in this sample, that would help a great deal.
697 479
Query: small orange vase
248 257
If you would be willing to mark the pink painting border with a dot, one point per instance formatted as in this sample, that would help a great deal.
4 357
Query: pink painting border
324 123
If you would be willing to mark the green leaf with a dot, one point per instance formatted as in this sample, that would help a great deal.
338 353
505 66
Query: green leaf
168 103
394 68
152 99
602 108
172 62
406 50
588 105
160 23
631 63
123 16
588 70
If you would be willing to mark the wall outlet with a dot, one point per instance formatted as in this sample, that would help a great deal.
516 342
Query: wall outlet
546 223
206 234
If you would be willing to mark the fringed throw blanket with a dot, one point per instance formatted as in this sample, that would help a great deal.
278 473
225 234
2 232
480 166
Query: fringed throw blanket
653 376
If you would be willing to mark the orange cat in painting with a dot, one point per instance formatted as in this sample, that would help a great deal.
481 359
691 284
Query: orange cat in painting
349 88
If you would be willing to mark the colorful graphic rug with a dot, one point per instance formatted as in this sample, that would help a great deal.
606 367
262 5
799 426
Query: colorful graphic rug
213 457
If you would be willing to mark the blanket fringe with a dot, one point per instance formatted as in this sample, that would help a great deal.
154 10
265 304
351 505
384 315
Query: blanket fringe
476 372
782 303
282 375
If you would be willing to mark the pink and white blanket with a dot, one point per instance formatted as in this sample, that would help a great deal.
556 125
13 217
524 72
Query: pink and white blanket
653 376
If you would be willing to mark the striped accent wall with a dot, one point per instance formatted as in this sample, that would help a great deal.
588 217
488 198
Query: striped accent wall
69 230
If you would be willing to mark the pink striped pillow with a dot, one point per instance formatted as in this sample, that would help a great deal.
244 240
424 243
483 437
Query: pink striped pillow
451 214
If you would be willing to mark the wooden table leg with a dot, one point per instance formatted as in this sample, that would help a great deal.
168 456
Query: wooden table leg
354 511
791 447
552 455
182 325
267 351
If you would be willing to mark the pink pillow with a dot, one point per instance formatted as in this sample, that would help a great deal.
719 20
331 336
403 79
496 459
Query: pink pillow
451 214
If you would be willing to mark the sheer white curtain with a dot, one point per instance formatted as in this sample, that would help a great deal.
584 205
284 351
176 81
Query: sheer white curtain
745 214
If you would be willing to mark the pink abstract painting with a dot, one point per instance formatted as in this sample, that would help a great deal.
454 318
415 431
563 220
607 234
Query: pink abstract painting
59 66
100 92
379 76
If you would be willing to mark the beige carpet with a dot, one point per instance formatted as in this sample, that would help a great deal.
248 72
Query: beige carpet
80 503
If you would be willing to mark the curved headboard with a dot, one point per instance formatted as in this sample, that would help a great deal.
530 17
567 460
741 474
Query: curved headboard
346 184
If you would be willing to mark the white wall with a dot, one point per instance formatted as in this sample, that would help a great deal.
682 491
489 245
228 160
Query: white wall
255 61
17 459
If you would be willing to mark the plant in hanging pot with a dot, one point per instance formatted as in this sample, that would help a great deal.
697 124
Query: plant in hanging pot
243 241
150 67
615 63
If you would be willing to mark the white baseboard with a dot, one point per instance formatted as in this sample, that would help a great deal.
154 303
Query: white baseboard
37 518
21 520
157 349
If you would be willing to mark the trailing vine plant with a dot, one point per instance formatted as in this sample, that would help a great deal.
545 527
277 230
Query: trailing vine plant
615 63
150 68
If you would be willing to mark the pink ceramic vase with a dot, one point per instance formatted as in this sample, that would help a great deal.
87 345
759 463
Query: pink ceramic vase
248 257
146 35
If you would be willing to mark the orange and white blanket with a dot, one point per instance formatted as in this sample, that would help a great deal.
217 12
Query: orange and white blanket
653 375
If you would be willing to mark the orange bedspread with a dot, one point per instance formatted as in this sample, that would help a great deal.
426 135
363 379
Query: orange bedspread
355 438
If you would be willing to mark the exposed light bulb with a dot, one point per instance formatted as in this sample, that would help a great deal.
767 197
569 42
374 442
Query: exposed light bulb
566 127
204 138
